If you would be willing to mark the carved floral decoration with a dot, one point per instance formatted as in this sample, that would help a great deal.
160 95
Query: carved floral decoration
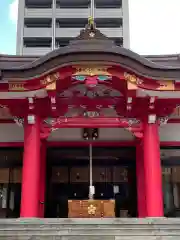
91 76
91 209
135 81
81 90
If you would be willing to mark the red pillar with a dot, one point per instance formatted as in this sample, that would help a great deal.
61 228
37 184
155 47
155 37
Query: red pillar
42 179
141 198
31 170
153 172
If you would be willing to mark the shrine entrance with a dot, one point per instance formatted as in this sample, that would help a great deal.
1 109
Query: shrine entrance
82 178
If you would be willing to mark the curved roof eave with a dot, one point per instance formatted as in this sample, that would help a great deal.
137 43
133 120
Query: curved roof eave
98 49
37 61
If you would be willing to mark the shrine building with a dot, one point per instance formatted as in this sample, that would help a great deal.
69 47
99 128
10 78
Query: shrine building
89 130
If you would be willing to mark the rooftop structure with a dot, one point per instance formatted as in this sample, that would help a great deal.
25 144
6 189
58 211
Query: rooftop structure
47 25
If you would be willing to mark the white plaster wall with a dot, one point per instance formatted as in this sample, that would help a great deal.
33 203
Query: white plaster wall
11 133
14 133
65 134
75 134
115 134
169 132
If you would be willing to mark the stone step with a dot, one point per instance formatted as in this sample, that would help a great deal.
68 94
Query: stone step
90 229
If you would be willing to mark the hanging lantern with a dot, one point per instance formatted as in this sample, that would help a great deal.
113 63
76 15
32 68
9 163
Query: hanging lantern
86 134
95 134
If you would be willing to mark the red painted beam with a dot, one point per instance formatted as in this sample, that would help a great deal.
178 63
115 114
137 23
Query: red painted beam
99 122
6 121
11 144
175 120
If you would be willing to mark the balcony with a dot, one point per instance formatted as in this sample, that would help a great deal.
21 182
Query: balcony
72 13
36 51
110 13
74 32
38 13
38 32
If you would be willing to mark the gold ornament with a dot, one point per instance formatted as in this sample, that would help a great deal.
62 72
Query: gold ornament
91 209
166 85
16 86
92 71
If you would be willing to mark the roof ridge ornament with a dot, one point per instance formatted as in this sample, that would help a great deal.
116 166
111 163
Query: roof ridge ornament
90 31
91 23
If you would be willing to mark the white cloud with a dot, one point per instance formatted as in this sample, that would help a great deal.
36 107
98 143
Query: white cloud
13 11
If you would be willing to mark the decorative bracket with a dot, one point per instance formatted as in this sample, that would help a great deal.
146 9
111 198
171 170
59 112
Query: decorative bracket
152 102
31 103
129 103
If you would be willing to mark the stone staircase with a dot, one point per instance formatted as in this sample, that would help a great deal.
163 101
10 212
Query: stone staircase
90 229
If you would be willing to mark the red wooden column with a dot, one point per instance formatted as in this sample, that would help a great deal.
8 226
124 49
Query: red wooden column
31 170
153 172
42 179
141 198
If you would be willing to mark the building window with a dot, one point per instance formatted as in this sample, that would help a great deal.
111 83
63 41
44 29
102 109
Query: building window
71 23
108 4
38 22
108 22
37 42
72 4
82 22
62 42
38 4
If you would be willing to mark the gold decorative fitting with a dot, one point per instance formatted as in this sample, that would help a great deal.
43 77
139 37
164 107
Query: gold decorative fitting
50 78
51 86
16 87
91 209
166 85
91 71
132 78
91 21
131 86
92 34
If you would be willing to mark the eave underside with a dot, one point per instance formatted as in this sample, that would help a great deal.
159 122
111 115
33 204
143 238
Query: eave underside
17 61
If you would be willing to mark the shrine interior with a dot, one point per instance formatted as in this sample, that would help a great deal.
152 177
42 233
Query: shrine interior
113 173
67 178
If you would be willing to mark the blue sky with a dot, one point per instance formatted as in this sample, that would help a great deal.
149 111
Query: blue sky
154 26
8 13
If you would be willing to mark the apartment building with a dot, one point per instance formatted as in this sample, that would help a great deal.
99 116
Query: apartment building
44 25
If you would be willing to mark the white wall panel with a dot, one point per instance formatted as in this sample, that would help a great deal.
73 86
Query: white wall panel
170 132
14 133
11 133
75 134
115 134
65 134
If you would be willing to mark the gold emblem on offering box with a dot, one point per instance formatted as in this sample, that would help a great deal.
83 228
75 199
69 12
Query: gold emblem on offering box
92 71
91 210
16 87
